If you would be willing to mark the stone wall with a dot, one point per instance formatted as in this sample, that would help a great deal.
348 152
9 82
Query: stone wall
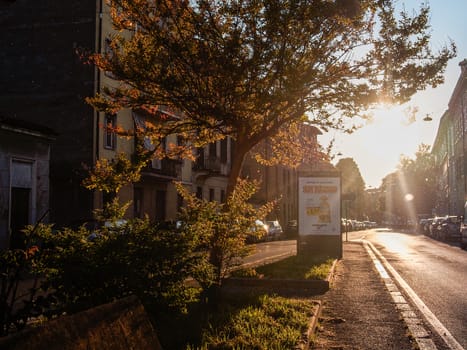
121 325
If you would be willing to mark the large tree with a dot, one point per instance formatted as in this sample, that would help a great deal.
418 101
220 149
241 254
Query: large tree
250 69
410 192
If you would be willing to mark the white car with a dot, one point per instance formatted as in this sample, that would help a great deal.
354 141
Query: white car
259 232
274 229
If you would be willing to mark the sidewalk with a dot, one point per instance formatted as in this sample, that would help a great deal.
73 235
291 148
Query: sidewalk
358 311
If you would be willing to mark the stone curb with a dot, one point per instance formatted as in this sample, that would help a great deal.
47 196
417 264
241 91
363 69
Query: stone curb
317 310
305 342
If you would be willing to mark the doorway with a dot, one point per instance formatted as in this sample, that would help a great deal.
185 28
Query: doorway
20 208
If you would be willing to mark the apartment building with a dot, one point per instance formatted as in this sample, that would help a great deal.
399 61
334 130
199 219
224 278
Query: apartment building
280 182
449 149
43 80
24 178
443 151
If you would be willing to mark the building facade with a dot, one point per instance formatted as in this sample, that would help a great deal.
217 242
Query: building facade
44 80
280 182
449 149
443 152
24 178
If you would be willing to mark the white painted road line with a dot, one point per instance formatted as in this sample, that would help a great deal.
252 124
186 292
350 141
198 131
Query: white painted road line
413 323
442 331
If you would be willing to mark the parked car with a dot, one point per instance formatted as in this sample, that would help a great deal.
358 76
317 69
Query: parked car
118 226
434 226
292 229
421 225
463 233
259 232
274 229
463 229
446 227
450 228
426 226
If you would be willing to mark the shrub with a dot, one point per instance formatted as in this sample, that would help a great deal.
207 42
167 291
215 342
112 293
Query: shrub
83 269
16 301
222 228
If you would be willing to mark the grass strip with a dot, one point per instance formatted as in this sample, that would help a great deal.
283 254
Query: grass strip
267 323
294 267
249 321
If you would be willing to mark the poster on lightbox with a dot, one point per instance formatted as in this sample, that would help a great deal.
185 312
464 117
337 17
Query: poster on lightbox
319 206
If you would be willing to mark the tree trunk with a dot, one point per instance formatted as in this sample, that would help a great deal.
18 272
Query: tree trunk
241 149
212 294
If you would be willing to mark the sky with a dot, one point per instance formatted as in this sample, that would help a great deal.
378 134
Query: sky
378 145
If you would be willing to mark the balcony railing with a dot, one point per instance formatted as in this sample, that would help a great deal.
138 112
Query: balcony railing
165 167
210 163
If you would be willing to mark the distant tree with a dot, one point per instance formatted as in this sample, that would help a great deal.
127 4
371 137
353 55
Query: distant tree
353 185
254 69
411 190
373 207
419 179
392 200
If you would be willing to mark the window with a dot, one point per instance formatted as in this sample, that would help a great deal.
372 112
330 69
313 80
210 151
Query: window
107 197
199 192
223 199
224 150
137 202
211 194
179 202
109 52
110 139
212 150
200 158
160 205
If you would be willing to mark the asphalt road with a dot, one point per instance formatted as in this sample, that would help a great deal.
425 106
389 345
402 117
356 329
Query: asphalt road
268 252
435 271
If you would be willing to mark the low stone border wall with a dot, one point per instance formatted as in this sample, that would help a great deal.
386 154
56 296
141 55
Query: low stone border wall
286 287
121 325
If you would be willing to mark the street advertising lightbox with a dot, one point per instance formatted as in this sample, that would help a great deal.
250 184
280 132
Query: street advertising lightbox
319 206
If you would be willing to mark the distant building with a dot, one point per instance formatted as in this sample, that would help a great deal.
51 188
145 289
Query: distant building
280 182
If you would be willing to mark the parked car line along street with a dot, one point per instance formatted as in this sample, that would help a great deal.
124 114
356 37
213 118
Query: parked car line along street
449 228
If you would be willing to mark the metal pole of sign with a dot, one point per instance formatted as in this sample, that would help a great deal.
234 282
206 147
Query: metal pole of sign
346 222
346 231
